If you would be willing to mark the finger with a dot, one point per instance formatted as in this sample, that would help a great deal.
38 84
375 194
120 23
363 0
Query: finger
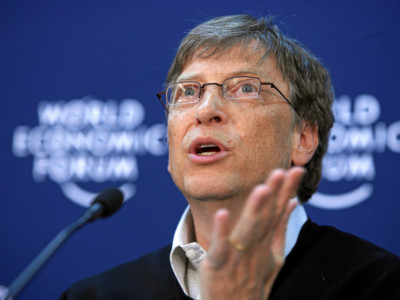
262 199
275 179
293 179
278 241
272 209
218 252
274 182
248 227
259 211
265 207
284 184
289 187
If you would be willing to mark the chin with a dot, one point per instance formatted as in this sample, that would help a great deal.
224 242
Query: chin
209 190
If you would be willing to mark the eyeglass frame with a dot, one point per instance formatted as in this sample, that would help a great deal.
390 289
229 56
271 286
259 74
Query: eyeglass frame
202 86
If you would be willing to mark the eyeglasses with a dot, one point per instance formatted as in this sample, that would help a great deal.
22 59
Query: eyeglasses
233 88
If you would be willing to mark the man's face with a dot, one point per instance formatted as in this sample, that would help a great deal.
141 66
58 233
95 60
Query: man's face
218 148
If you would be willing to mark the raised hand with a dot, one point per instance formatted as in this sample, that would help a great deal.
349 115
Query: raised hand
243 262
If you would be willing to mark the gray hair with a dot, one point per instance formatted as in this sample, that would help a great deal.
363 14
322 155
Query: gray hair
311 93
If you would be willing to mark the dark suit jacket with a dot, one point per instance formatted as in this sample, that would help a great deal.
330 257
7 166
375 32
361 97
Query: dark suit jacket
324 264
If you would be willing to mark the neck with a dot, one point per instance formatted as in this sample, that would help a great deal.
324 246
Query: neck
203 213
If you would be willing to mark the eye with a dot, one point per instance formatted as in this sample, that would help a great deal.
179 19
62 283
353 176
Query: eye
247 89
242 88
183 93
189 92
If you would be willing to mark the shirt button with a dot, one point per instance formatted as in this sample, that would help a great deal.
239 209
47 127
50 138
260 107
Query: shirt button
190 254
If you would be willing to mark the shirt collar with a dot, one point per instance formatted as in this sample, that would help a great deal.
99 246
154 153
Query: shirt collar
184 235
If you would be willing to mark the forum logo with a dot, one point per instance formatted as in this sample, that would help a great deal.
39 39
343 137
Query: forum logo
357 136
89 141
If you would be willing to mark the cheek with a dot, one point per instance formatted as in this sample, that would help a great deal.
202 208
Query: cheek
172 144
172 132
268 136
171 141
175 136
265 126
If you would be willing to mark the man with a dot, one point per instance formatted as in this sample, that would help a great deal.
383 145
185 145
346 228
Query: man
249 113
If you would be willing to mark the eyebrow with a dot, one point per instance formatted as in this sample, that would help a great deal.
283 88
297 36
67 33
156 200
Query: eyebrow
244 72
188 76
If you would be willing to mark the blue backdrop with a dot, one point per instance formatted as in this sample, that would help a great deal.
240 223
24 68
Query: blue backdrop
79 113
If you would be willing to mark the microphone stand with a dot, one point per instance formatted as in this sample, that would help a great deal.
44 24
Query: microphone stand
19 283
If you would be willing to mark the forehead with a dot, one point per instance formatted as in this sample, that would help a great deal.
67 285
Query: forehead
236 60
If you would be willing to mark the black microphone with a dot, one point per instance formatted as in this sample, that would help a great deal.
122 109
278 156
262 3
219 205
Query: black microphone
104 205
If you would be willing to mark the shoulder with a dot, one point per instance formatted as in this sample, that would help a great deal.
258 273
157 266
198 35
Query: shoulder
331 263
342 247
148 277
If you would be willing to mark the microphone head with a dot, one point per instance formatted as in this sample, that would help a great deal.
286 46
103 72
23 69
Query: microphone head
111 200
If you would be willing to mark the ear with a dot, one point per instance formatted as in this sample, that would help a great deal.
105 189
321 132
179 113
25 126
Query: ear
305 143
168 168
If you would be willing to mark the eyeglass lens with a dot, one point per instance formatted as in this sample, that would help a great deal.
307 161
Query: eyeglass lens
232 88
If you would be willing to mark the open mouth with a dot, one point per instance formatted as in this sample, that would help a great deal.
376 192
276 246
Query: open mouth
207 150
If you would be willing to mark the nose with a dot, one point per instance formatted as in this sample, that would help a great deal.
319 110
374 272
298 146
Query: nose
211 108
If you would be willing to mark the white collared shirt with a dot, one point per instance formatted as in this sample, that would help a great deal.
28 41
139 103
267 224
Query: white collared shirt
186 255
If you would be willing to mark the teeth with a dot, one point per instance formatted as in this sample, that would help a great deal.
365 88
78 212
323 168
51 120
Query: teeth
206 153
207 149
207 146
